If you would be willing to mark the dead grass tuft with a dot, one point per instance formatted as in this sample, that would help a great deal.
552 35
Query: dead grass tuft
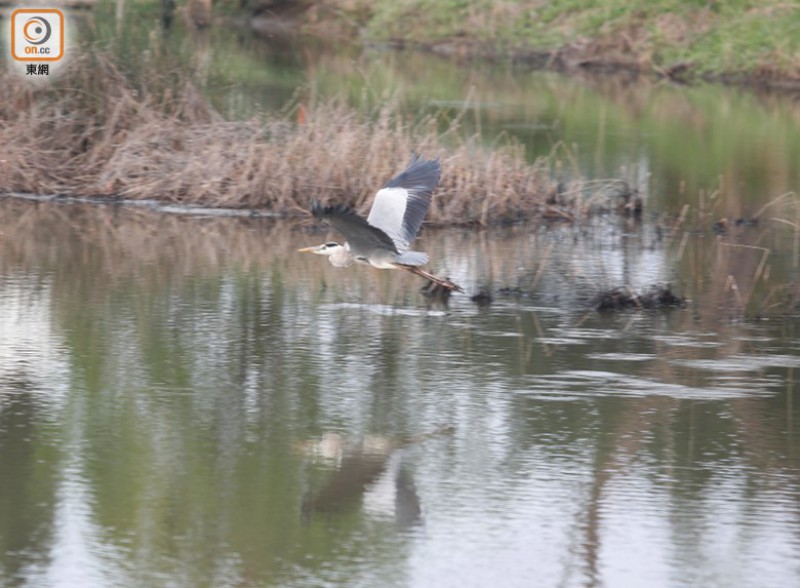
99 131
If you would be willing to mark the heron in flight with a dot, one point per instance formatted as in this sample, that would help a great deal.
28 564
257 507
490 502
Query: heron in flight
383 239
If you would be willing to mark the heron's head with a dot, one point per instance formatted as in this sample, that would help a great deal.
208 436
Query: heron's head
325 249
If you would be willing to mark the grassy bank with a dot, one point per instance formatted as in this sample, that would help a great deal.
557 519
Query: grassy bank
742 40
96 131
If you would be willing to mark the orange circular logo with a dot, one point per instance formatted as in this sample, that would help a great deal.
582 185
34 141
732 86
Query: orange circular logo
37 30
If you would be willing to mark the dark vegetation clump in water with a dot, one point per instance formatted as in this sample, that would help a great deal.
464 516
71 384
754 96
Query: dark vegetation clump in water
623 298
483 297
610 300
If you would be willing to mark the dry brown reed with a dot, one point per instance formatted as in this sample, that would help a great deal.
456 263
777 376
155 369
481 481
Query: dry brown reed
97 130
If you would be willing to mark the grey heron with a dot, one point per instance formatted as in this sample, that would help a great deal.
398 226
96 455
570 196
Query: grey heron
383 239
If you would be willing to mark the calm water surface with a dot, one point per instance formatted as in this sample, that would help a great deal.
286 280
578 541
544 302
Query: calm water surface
186 402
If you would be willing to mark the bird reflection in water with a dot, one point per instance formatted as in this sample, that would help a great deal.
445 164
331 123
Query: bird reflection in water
370 474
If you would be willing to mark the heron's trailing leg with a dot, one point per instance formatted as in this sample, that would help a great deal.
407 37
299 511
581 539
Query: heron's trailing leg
443 282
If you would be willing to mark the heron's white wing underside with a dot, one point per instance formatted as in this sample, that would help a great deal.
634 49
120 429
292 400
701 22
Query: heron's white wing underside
398 212
387 214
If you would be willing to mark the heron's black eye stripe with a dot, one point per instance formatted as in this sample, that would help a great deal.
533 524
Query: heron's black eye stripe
331 244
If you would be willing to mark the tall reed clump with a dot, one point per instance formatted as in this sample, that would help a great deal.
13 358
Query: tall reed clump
97 130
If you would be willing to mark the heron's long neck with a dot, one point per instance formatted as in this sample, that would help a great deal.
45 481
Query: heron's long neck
340 258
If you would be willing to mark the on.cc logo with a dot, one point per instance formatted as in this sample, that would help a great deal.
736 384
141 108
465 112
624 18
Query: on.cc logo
37 30
37 34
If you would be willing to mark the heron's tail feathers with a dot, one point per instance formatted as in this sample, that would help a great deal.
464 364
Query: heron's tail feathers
412 258
443 282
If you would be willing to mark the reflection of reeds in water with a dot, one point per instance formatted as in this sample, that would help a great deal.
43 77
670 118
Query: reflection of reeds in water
99 131
741 267
96 250
747 271
120 242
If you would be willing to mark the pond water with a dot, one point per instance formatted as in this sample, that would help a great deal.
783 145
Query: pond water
186 402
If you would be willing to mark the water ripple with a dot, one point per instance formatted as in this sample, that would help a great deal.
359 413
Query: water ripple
741 363
596 383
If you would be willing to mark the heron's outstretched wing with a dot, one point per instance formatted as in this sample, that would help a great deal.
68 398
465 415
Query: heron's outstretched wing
362 237
402 203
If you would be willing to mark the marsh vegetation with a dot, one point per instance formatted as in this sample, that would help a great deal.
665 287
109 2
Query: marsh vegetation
97 132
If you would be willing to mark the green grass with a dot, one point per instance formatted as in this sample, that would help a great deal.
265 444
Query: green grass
751 37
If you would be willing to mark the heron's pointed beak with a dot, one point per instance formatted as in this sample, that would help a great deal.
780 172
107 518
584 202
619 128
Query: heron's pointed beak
308 250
